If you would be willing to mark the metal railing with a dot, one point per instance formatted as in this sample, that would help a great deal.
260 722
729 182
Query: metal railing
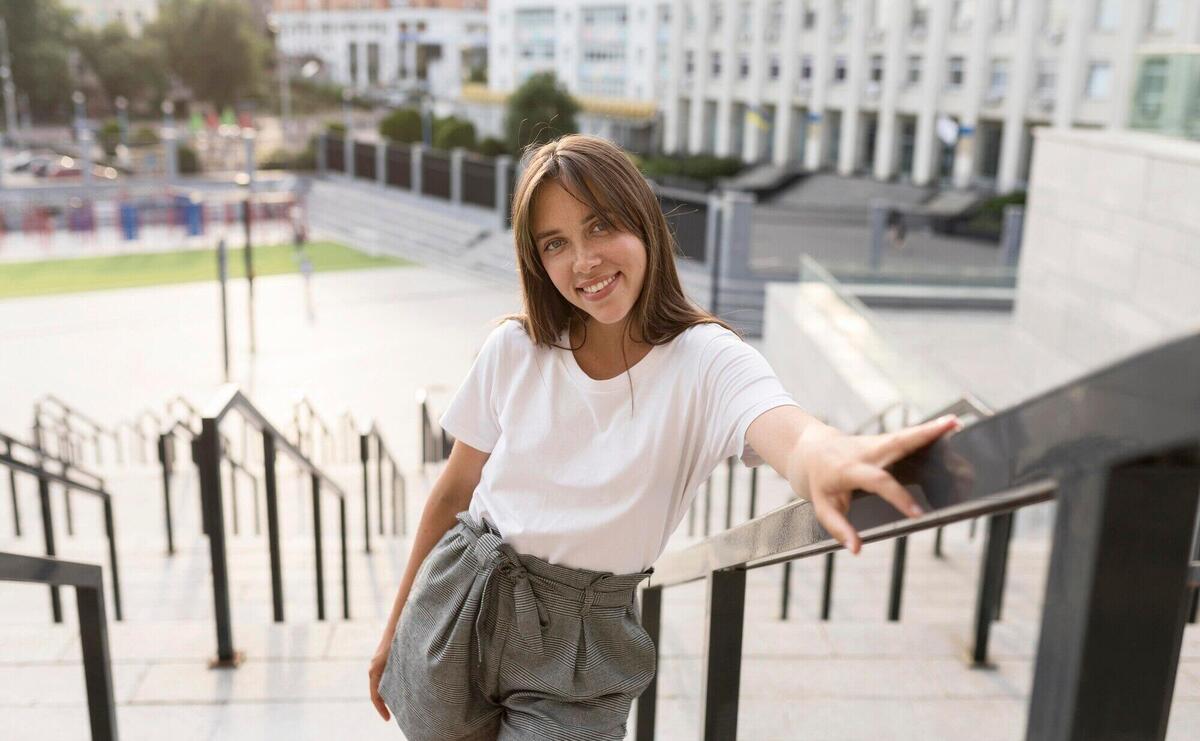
68 477
88 580
381 453
140 441
70 439
304 419
208 454
1119 450
435 443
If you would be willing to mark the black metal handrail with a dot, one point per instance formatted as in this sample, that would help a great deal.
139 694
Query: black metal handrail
435 443
1119 450
382 453
304 415
67 414
137 431
67 476
208 454
88 580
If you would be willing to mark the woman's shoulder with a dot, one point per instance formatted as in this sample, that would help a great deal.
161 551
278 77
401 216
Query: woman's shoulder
701 337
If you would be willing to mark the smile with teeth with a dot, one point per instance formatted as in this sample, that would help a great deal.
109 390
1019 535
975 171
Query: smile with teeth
597 287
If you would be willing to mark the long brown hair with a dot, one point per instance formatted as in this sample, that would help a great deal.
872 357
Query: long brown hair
601 176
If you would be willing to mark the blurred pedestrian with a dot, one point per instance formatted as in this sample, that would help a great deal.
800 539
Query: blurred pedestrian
897 230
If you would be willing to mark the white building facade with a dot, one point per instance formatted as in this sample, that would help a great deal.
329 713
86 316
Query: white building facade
925 90
430 49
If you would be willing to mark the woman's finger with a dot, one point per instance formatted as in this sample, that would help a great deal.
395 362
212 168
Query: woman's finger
896 445
380 706
835 523
878 481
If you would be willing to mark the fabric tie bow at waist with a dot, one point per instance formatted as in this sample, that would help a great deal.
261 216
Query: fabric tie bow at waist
499 558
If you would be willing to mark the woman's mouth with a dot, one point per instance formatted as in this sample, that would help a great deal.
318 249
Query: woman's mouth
601 290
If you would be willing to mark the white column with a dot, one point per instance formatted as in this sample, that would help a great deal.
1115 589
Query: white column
1133 20
752 136
894 74
931 90
973 89
671 143
1069 78
814 144
849 144
728 35
1016 96
1189 22
789 70
700 75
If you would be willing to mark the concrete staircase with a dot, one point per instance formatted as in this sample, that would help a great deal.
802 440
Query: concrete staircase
855 677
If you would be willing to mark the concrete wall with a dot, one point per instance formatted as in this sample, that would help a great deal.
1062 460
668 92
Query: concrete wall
1111 254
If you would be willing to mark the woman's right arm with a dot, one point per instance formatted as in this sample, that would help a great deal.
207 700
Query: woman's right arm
450 495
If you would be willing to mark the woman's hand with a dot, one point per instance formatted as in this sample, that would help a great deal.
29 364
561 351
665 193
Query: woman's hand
375 673
827 466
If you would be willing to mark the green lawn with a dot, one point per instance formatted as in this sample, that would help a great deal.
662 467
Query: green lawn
44 277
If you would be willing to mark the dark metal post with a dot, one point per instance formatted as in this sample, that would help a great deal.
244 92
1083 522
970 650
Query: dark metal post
379 479
48 534
97 662
66 490
165 454
112 556
827 587
345 560
753 491
12 487
247 207
990 584
786 591
937 543
209 464
364 455
1108 651
272 497
723 654
707 506
896 591
729 494
647 703
320 559
233 497
223 277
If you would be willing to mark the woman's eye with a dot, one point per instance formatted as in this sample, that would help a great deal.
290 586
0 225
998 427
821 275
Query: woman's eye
603 225
552 245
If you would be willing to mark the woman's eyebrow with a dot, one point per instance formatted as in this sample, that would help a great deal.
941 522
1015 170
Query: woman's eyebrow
549 232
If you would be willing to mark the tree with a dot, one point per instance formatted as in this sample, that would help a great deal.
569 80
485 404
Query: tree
123 65
454 132
538 111
213 47
402 125
39 43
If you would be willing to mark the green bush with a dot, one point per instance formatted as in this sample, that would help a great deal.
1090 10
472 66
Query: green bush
144 136
454 132
336 128
402 125
189 163
109 137
304 160
703 167
490 146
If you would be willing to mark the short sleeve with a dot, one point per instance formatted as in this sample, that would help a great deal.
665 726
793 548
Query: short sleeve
741 385
473 415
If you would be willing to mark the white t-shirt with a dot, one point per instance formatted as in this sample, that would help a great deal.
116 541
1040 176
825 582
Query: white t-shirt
586 475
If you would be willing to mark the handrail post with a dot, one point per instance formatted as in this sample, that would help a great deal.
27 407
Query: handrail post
12 487
896 590
345 560
48 535
647 703
753 491
707 506
1108 650
827 587
723 653
112 556
164 457
320 559
364 455
97 662
208 449
379 478
786 595
729 494
990 584
272 496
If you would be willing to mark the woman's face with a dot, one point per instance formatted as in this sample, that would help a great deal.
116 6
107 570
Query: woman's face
593 265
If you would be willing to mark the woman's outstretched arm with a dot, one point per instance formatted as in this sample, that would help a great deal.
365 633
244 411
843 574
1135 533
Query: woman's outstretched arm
825 466
450 495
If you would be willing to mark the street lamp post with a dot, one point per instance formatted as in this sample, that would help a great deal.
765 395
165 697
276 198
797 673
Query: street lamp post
348 140
83 137
123 119
169 138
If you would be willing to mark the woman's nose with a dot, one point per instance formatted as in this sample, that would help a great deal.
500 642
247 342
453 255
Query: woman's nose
585 259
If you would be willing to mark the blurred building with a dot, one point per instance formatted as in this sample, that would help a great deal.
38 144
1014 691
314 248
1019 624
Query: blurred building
925 90
99 13
379 46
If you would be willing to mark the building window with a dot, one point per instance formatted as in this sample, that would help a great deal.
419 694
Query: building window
1152 88
1099 81
808 16
689 63
716 14
914 69
998 80
839 69
1108 15
918 19
1047 79
806 67
716 64
962 12
744 21
774 20
743 66
773 66
689 19
877 68
1164 16
841 17
353 49
1006 14
954 72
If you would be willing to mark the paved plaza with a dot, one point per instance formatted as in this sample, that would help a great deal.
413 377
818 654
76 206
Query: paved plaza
379 336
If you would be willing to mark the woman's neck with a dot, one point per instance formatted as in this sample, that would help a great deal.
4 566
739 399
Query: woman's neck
607 340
